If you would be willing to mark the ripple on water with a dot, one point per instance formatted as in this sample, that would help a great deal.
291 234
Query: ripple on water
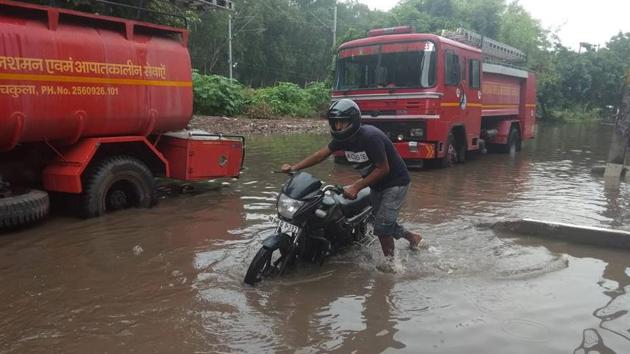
525 330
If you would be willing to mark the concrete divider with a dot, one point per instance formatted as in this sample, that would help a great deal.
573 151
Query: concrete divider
566 232
601 169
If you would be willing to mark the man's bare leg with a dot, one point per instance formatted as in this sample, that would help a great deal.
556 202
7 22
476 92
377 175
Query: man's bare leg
414 239
388 245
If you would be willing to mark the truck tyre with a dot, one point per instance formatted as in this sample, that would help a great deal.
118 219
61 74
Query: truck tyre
462 150
514 142
450 158
23 209
116 183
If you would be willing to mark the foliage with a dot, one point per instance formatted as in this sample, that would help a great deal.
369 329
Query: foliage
284 99
260 110
217 95
318 96
592 78
577 113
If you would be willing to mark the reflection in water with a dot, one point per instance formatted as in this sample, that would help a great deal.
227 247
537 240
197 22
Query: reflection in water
169 279
592 344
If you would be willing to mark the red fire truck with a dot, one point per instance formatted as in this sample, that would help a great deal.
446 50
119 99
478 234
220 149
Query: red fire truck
86 106
438 97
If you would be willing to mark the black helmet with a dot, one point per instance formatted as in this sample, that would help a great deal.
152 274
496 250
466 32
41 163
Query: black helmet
344 109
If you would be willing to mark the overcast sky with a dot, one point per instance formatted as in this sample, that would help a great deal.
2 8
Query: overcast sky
576 20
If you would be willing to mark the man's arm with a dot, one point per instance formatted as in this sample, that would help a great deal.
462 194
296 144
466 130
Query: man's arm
314 159
380 170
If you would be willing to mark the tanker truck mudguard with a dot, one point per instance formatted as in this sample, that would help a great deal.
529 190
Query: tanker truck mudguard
438 98
96 107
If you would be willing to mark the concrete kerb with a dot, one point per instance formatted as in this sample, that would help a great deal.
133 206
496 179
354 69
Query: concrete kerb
601 169
566 232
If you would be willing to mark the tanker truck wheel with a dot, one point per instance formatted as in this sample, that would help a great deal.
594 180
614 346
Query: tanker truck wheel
22 208
116 183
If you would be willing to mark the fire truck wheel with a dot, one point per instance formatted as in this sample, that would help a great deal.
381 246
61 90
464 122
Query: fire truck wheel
24 208
116 183
514 142
450 158
461 153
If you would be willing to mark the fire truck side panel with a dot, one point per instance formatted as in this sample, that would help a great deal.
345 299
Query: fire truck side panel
501 95
508 100
66 75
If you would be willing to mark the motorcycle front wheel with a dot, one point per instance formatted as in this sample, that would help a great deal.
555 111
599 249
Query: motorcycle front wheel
265 263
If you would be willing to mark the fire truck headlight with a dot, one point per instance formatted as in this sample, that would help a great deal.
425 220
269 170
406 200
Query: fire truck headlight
416 133
400 137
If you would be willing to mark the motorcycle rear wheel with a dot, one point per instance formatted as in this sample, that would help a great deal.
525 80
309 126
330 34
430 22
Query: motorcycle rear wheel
261 266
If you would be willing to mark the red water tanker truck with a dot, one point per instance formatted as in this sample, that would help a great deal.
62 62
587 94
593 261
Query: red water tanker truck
86 106
439 97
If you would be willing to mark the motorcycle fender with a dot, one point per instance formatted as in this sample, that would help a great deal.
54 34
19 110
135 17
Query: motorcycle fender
276 241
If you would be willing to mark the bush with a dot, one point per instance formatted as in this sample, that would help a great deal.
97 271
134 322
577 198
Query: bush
284 99
217 95
260 110
577 113
319 96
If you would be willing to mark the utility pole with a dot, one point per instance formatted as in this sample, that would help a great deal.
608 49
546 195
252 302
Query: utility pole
621 136
334 26
230 44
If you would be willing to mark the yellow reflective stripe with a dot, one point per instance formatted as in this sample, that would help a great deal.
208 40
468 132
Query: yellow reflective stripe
431 151
93 80
457 104
500 106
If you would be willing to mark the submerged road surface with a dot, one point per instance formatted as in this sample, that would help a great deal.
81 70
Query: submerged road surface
169 279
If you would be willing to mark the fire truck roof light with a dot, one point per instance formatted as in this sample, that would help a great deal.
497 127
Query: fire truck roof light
390 30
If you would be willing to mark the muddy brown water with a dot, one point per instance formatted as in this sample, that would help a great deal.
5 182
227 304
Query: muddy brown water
169 279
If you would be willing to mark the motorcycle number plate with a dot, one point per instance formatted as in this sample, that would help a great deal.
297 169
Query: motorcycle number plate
286 227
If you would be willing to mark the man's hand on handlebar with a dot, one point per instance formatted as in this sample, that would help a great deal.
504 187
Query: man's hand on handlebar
286 168
350 191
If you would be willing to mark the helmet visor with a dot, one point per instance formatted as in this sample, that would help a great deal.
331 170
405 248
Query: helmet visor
340 125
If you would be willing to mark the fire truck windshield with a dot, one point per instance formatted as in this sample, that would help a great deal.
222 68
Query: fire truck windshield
408 69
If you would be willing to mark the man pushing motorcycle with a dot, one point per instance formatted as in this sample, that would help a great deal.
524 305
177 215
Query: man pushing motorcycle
382 169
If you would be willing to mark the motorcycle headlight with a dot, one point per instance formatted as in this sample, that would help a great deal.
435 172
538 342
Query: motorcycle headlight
288 206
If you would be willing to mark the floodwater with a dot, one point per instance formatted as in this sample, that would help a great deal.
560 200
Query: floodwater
169 279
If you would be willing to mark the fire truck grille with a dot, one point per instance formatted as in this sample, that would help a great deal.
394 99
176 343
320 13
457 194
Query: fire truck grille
409 131
379 113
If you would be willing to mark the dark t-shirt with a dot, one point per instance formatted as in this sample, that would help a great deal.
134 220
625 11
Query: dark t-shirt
369 146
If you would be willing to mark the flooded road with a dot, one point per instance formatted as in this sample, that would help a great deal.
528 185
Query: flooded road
169 279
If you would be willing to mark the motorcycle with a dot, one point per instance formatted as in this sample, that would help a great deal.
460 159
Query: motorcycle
313 222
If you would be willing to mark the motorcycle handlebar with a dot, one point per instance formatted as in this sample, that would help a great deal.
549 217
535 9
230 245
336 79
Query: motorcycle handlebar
334 188
290 173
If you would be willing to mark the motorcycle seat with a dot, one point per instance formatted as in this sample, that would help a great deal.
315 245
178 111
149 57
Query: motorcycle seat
350 207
